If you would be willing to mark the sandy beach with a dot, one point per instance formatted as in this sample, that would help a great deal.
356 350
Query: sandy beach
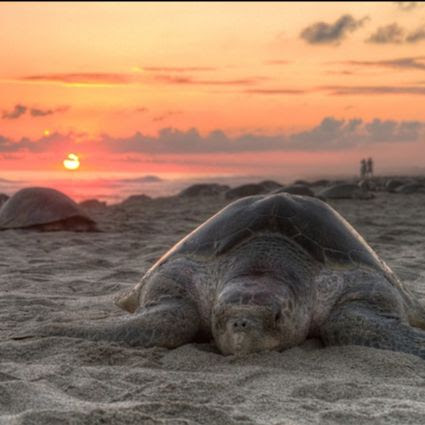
65 277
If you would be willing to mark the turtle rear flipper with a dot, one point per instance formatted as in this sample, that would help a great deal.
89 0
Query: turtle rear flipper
357 323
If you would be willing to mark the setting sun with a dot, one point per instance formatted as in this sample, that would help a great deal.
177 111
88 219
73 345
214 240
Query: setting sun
72 162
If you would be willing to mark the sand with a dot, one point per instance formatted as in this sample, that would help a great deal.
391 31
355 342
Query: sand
66 277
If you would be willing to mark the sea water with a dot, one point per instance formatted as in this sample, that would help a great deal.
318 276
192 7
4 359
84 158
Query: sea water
115 188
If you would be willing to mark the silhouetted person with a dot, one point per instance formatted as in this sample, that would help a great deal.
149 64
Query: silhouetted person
363 168
369 167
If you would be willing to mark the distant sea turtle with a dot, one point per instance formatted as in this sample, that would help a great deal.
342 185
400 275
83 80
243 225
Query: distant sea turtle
411 188
345 191
3 198
203 189
136 199
321 182
92 204
392 184
270 185
265 273
248 189
42 208
296 189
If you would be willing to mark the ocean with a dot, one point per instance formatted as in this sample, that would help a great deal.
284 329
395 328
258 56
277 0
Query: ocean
115 188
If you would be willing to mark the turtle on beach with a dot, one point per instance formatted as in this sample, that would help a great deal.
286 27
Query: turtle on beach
3 198
409 188
345 191
244 190
296 189
203 189
46 209
266 273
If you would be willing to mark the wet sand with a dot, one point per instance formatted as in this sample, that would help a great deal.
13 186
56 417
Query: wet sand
66 277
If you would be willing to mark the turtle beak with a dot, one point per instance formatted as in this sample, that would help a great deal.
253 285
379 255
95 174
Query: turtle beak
240 344
240 328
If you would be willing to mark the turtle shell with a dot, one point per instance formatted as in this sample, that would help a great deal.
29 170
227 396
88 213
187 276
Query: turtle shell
345 191
312 224
37 206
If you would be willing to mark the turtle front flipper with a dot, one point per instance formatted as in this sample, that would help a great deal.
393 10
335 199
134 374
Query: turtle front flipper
360 323
169 323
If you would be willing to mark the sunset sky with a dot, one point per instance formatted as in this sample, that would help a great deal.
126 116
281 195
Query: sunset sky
198 88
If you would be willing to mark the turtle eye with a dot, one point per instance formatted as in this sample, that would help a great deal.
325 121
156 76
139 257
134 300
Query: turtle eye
277 316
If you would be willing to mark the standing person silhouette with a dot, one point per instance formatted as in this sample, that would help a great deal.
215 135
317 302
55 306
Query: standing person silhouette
369 167
363 168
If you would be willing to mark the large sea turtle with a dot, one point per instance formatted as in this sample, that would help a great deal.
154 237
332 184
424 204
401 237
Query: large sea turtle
345 191
265 273
3 198
203 189
296 189
408 188
42 208
248 189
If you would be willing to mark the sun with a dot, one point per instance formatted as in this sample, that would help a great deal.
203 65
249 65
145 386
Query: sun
72 162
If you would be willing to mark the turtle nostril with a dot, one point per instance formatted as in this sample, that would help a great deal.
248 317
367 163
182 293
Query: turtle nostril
239 324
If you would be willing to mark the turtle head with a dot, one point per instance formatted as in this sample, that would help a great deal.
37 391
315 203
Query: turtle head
254 314
243 329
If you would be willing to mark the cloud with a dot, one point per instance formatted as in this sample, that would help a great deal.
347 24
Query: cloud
82 78
393 131
374 90
177 68
324 33
166 115
407 5
19 110
416 62
15 113
391 33
101 79
416 36
276 91
340 90
395 34
53 142
188 80
35 112
336 134
331 134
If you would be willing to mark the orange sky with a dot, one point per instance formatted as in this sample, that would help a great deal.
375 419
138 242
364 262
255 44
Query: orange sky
299 86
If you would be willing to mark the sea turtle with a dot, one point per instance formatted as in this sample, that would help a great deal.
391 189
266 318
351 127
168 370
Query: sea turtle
248 189
203 189
409 188
296 189
265 273
3 198
94 204
392 184
42 208
345 191
270 185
